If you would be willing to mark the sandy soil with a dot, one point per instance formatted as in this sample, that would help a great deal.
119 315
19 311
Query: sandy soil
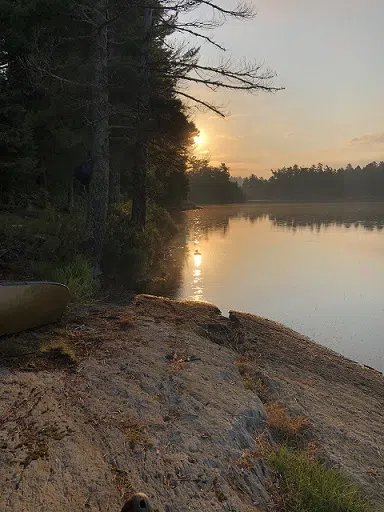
155 403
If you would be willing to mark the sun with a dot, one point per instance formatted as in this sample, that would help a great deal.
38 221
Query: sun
198 139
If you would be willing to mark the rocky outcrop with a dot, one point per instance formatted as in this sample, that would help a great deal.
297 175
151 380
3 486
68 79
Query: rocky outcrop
135 415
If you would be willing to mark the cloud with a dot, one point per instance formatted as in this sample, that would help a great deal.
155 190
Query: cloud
369 138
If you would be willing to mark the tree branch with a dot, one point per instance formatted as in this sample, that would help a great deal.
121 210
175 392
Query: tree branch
243 10
201 102
201 36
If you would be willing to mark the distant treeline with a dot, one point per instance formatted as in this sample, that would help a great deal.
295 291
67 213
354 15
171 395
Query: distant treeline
318 182
212 185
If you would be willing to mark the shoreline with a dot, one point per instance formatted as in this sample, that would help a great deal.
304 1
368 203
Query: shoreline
182 387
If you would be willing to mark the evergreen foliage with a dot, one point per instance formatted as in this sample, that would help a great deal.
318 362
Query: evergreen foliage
319 183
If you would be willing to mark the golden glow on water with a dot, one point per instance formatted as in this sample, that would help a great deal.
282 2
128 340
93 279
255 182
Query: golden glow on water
197 259
196 275
316 268
197 288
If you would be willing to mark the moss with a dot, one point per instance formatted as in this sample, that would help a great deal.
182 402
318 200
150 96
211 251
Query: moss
60 352
221 497
35 451
252 379
136 434
35 442
122 482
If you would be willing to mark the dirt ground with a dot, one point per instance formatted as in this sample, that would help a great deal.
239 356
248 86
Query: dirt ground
147 397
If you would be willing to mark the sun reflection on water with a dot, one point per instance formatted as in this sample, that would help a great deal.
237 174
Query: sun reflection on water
197 259
197 289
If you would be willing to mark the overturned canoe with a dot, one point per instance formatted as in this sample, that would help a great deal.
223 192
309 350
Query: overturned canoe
30 304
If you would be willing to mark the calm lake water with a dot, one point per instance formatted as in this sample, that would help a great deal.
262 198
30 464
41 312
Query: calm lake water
318 268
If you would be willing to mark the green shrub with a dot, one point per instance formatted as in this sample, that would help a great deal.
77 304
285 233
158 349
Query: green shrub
127 251
40 244
40 235
160 219
308 486
133 253
76 274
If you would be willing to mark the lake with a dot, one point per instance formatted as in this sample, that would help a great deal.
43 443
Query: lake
317 268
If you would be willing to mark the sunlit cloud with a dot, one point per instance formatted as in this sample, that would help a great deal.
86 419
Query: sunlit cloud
369 138
315 119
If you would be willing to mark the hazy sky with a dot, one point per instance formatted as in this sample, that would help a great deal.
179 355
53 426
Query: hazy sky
329 56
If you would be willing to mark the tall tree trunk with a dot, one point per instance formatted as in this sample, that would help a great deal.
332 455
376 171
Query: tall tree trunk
139 200
114 185
99 186
71 194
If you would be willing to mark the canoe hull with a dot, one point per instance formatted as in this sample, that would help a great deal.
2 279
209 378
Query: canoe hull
31 304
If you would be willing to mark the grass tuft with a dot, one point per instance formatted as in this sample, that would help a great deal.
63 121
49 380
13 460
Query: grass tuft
255 385
285 428
77 275
60 351
252 379
308 486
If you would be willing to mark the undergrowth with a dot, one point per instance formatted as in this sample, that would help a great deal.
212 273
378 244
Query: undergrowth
44 245
76 274
131 254
41 244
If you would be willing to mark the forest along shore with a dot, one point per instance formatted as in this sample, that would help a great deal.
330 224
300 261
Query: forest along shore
173 399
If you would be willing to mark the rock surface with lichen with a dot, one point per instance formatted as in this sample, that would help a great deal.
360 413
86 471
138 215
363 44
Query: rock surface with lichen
148 397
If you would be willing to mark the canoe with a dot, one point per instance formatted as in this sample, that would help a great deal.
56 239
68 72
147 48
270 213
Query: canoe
30 304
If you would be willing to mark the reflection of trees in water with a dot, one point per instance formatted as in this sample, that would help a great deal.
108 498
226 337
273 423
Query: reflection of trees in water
217 220
324 221
200 224
293 216
204 224
167 280
168 276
